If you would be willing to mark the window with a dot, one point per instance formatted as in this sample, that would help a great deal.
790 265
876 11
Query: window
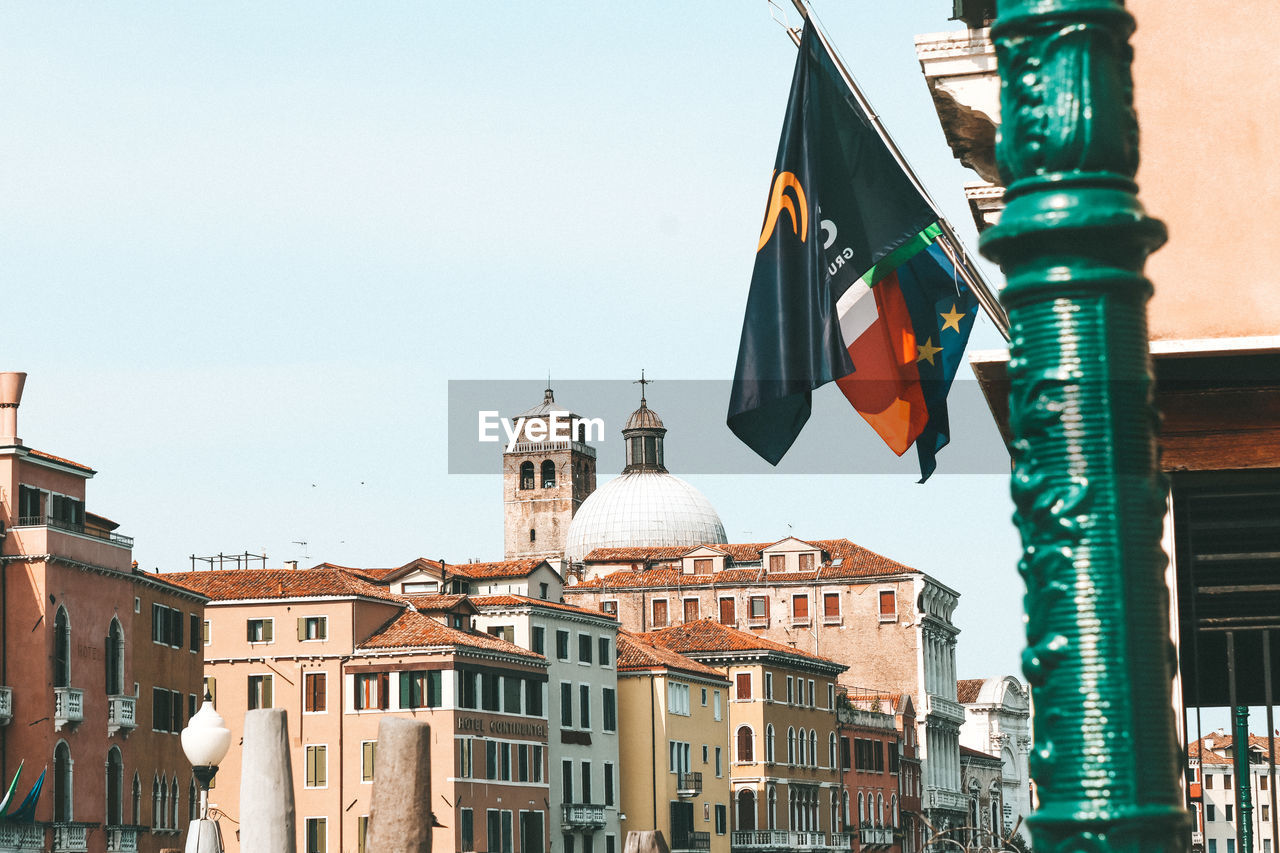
1262 782
543 590
844 753
115 787
466 689
491 759
746 744
533 535
679 756
812 696
195 637
533 698
562 645
1209 812
317 767
466 757
715 703
791 690
728 616
368 753
1228 813
743 682
489 697
586 781
260 630
538 639
769 744
791 745
768 687
1266 810
604 650
702 566
566 779
888 605
1231 845
421 688
759 609
61 649
372 691
800 608
660 613
722 817
678 698
566 705
777 562
608 784
584 708
260 691
609 709
500 830
610 607
62 811
1213 845
691 610
511 694
419 587
467 827
806 562
1226 781
166 710
526 476
831 697
315 692
317 835
831 607
313 628
362 834
207 634
1208 780
115 659
584 648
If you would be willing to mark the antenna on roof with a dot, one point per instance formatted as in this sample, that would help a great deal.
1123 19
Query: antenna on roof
302 543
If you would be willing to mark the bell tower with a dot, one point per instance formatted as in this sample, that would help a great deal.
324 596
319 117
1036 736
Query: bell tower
544 482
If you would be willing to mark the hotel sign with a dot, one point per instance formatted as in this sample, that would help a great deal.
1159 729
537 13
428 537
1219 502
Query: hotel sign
501 727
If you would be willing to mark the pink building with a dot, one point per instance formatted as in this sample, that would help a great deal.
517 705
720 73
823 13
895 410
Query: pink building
100 665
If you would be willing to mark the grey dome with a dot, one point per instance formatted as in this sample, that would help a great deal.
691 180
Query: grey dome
647 508
644 418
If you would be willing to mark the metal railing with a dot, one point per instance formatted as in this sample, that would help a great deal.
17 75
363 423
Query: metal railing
122 839
70 838
691 841
121 714
689 784
22 837
68 706
582 814
73 527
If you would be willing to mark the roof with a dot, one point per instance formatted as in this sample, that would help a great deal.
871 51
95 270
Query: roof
499 569
966 752
508 600
244 584
428 603
637 653
415 630
40 454
707 636
1223 742
855 562
967 690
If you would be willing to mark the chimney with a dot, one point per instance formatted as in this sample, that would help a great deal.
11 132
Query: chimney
10 396
291 565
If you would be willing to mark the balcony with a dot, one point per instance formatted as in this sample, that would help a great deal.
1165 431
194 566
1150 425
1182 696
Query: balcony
122 839
776 839
582 815
877 837
71 837
689 784
21 837
947 709
691 841
6 705
938 798
842 840
121 714
68 707
72 527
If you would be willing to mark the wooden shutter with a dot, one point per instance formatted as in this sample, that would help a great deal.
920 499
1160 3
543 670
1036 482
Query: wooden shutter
727 612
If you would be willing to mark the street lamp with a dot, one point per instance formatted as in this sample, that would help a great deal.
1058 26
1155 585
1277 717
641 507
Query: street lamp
205 740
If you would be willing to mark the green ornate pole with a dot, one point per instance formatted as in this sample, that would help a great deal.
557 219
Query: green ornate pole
1088 493
1244 790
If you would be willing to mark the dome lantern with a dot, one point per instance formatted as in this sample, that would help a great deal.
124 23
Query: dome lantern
643 436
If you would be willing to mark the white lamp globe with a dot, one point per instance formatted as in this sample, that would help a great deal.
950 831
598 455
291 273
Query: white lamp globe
206 739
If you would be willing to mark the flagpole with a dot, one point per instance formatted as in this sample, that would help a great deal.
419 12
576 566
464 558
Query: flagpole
951 243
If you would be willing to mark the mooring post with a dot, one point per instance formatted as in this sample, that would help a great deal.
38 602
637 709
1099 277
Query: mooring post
400 817
1089 496
267 823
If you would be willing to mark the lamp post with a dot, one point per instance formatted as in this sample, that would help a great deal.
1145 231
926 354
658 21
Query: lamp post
205 740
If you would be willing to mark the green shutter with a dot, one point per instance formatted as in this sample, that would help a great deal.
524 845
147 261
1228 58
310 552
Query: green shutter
405 698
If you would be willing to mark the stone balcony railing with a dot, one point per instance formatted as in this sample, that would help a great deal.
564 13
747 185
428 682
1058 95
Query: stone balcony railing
71 837
777 839
582 814
881 836
21 837
947 709
940 798
122 839
121 714
68 707
842 840
6 705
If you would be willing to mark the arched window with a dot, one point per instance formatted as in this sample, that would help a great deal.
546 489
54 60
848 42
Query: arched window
115 659
548 474
791 745
115 787
526 475
831 750
744 745
813 747
62 796
157 806
173 803
746 810
800 752
61 649
879 809
844 812
835 810
768 744
193 801
893 810
773 807
862 814
137 800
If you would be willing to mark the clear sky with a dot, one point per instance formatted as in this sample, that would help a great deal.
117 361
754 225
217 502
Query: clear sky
247 246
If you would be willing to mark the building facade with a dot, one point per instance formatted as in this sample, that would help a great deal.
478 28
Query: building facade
998 722
101 665
1215 798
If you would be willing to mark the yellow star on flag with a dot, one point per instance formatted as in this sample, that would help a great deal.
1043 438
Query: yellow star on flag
926 351
952 320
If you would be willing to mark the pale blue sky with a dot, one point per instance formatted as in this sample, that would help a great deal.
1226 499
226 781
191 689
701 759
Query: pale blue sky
249 244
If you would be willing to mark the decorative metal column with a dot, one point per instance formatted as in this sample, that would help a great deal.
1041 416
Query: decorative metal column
1089 496
1244 782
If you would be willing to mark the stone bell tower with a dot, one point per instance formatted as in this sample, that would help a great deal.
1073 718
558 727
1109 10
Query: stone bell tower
544 483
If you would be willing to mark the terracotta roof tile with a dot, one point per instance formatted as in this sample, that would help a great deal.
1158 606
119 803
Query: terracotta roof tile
709 636
241 584
499 569
636 653
967 690
437 603
42 455
416 630
508 600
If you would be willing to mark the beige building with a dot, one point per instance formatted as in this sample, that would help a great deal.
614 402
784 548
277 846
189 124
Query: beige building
674 755
338 654
783 733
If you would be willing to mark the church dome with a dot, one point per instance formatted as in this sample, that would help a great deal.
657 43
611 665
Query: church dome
644 418
646 508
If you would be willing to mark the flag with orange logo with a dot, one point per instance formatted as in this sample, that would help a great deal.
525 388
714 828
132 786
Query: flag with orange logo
849 283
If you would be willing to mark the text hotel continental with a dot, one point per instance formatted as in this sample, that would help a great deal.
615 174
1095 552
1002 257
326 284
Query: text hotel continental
556 426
